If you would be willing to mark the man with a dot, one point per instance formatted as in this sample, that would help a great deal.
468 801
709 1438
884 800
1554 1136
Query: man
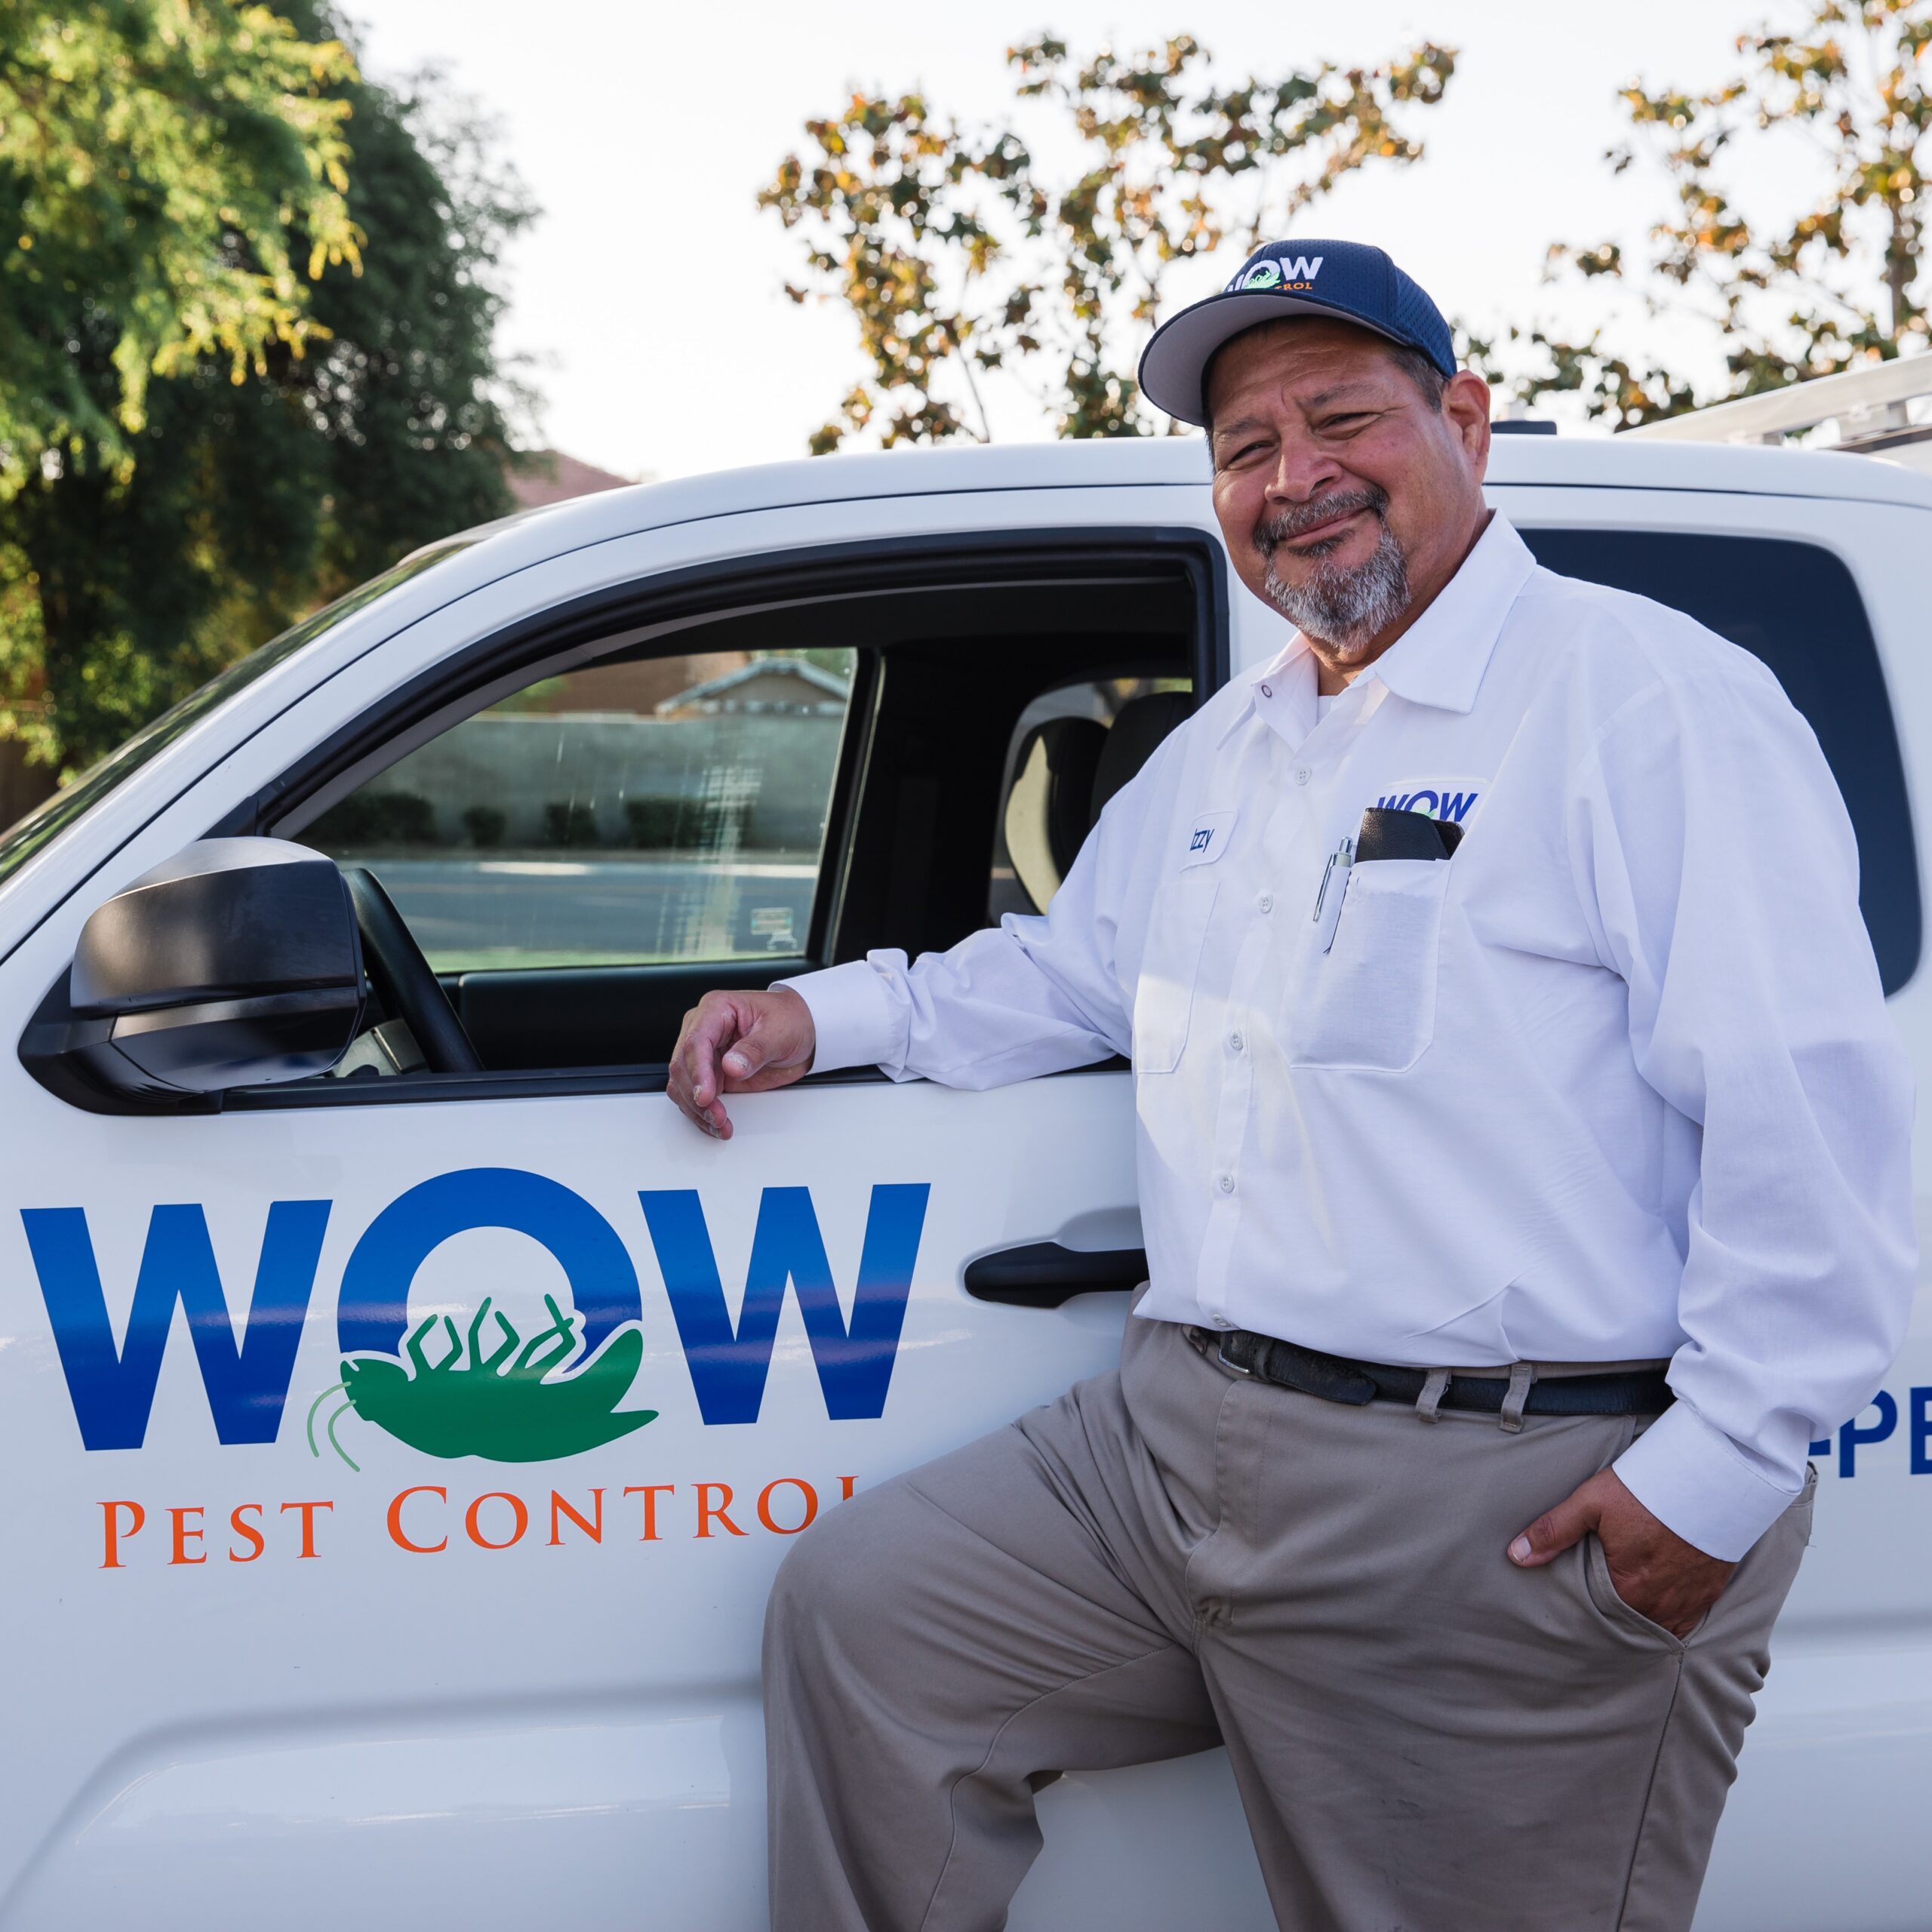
1524 1185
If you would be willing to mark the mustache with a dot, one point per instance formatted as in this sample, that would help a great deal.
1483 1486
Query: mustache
1284 525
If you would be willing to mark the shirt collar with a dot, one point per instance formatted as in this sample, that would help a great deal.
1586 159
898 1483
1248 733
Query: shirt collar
1440 659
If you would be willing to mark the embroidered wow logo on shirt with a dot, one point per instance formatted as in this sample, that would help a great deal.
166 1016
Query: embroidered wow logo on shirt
1450 798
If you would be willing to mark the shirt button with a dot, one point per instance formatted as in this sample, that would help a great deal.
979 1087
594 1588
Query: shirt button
1227 1184
1235 1042
1267 691
1266 903
1301 774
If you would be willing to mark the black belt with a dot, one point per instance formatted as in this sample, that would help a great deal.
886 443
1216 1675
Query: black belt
1336 1378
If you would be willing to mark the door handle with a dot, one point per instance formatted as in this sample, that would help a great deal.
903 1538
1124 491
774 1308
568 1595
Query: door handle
1044 1274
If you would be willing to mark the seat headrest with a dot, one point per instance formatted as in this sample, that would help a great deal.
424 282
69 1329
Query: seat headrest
1049 811
1137 730
1067 769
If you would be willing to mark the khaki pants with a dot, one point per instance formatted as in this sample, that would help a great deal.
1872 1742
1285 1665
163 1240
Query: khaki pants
1426 1739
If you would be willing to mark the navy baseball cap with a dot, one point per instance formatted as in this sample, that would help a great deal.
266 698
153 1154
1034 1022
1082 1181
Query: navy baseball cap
1346 280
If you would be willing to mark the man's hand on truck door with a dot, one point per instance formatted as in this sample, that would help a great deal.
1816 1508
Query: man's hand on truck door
739 1043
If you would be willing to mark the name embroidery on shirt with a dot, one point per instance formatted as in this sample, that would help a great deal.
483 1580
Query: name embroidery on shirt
1208 838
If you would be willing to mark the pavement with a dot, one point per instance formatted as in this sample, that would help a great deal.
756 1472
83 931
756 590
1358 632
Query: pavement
473 913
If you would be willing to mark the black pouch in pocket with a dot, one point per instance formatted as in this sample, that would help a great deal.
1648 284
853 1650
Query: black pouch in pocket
1388 834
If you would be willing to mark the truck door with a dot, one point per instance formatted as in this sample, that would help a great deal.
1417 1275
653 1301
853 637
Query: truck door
411 1447
1822 1828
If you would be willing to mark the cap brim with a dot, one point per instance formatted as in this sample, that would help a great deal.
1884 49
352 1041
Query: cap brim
1173 367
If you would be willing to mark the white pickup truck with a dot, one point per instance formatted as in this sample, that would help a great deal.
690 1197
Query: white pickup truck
407 1410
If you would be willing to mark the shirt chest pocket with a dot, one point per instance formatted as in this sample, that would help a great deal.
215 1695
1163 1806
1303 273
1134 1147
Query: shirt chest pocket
1170 965
1369 1001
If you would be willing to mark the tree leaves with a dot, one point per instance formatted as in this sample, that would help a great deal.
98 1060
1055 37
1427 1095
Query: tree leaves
960 254
173 170
200 472
1836 284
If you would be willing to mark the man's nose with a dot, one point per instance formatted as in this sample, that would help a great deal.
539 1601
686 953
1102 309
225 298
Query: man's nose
1303 471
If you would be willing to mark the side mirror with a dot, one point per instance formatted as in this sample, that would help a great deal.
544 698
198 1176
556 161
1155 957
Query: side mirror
237 963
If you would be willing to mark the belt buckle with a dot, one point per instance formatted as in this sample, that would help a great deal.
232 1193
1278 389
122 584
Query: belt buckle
1221 1355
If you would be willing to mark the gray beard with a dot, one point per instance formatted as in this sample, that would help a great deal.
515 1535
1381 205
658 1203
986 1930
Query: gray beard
1346 610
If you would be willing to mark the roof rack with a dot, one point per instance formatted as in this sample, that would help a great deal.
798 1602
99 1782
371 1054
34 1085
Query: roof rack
1867 404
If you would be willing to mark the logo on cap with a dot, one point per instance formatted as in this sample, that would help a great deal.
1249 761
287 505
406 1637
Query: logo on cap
1273 274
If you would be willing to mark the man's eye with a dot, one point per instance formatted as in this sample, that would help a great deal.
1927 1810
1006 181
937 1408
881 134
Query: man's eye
1349 419
1242 452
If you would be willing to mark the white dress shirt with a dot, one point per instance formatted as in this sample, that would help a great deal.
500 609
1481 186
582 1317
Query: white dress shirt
1615 1082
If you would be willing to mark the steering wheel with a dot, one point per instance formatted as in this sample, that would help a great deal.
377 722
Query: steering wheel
410 989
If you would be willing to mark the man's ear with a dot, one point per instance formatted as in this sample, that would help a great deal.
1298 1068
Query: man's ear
1465 404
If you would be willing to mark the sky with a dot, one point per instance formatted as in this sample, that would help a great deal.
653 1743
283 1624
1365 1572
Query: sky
649 296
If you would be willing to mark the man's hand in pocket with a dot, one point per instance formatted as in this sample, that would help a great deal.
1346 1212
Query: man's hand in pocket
1653 1570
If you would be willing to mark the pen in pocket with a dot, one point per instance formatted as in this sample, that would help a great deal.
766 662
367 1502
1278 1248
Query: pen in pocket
1334 889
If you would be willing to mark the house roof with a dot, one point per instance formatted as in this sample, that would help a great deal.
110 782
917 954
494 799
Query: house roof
717 692
548 476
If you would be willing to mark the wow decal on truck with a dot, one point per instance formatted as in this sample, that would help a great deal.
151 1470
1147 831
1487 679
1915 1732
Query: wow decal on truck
482 1390
488 1392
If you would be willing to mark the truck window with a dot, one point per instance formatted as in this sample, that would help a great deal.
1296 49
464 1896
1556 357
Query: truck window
1795 606
647 811
584 829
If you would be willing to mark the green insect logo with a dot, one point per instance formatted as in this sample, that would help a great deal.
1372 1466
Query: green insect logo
511 1405
487 1393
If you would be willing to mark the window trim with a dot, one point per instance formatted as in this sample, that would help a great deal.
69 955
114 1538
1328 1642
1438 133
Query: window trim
692 593
1121 551
532 1083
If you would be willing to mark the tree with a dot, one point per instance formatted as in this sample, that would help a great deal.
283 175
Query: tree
157 159
1840 281
959 254
132 568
